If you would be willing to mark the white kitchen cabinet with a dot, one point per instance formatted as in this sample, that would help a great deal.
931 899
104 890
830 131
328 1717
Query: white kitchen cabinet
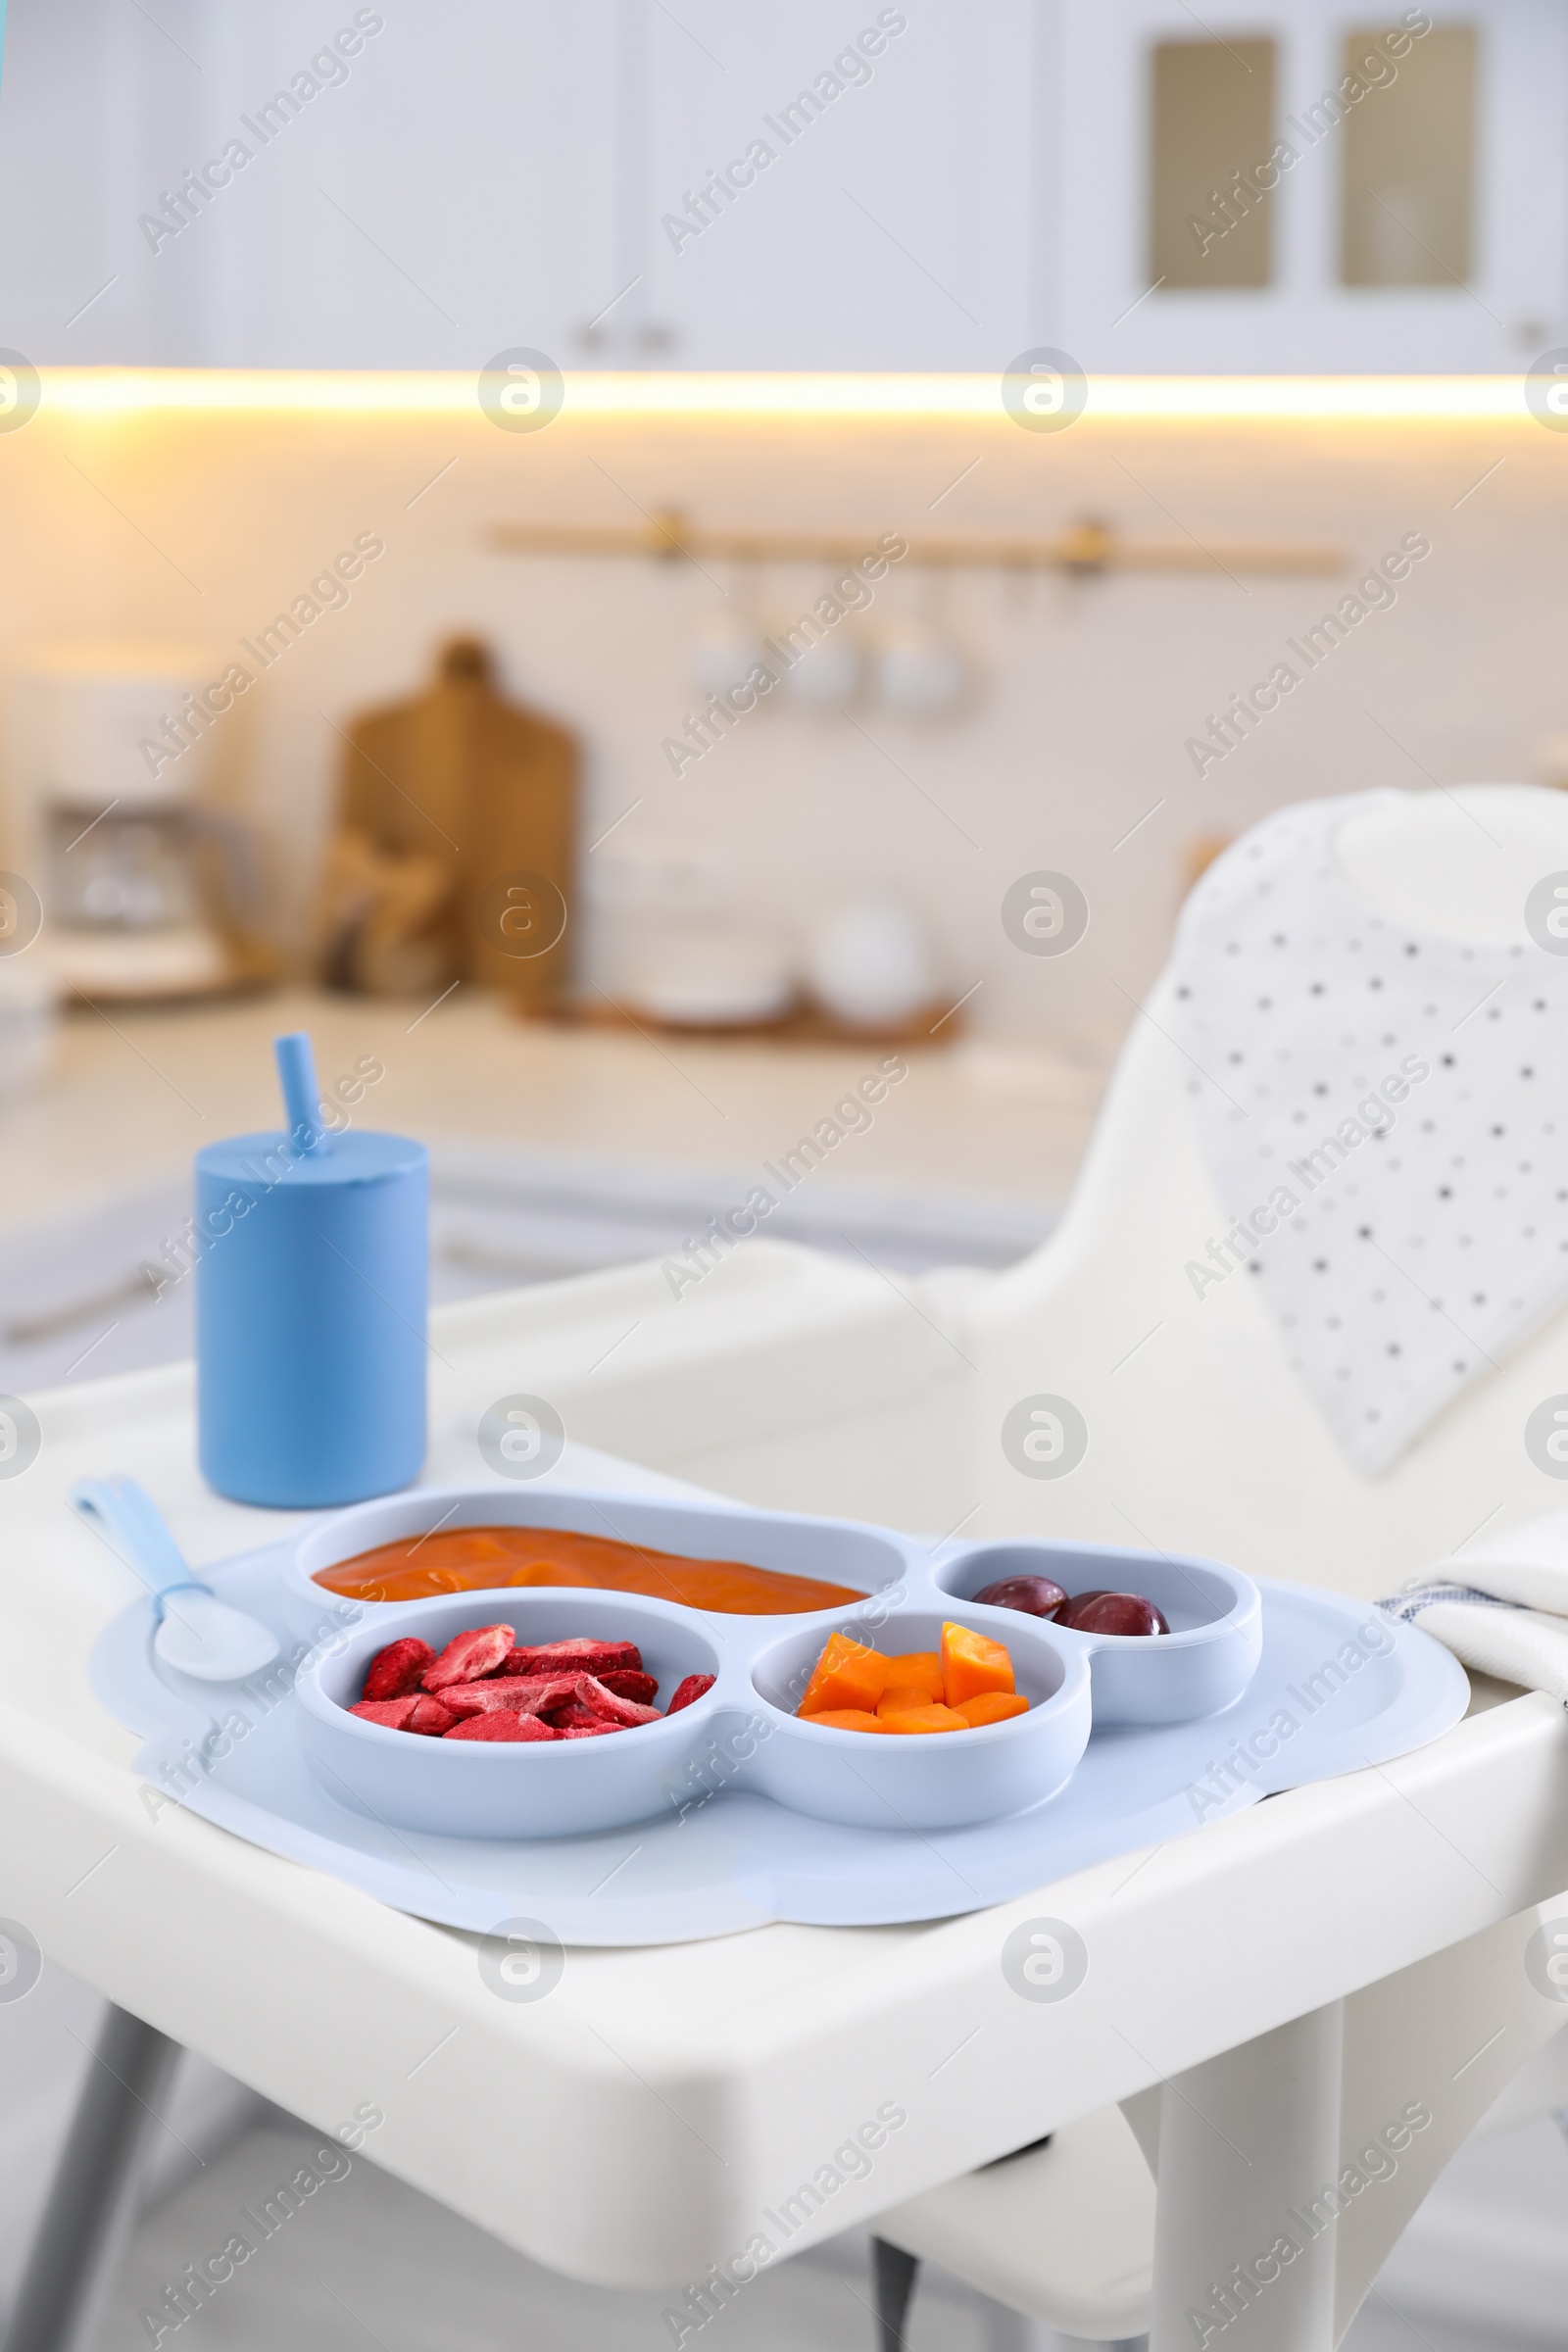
838 187
443 192
452 199
462 181
496 175
721 185
1425 228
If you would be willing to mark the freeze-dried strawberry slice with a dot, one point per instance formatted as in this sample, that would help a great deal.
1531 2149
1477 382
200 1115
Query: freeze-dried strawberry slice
583 1655
468 1655
394 1713
506 1723
397 1668
574 1717
591 1730
529 1694
430 1718
623 1712
626 1682
696 1685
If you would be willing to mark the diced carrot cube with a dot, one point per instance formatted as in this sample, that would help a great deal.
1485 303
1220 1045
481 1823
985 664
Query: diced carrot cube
924 1719
914 1680
918 1671
992 1706
846 1675
972 1663
849 1719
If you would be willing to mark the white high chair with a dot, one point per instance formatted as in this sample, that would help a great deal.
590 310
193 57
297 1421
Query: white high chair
834 1389
1201 1440
793 1380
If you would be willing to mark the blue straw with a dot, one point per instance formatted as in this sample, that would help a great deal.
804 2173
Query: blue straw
301 1098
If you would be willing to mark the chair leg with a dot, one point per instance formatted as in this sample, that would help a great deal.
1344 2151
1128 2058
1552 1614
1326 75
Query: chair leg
92 2202
893 2275
1242 2136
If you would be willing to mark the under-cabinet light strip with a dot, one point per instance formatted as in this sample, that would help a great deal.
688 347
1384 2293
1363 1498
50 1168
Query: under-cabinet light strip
114 392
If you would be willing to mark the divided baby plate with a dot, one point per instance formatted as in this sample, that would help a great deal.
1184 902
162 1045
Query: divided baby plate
760 1665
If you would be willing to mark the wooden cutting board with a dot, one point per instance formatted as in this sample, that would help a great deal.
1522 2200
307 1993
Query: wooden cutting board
453 839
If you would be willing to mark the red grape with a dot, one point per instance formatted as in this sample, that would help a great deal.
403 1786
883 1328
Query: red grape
1104 1612
1036 1595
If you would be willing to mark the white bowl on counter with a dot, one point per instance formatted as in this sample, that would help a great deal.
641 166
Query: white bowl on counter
712 978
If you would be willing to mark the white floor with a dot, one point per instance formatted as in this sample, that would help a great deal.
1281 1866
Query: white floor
367 2261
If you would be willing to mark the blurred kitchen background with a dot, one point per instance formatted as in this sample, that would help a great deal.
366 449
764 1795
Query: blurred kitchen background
1063 365
756 901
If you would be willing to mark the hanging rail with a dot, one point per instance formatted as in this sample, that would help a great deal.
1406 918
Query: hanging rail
1084 550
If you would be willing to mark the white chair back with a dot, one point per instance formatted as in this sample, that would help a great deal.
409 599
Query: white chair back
1199 1438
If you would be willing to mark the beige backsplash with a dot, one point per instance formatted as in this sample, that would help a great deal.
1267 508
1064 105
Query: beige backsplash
201 528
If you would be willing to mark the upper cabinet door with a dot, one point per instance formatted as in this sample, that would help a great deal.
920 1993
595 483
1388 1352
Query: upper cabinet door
1300 188
832 188
449 198
372 186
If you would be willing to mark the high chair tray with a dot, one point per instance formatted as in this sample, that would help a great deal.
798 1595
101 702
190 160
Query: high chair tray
738 1815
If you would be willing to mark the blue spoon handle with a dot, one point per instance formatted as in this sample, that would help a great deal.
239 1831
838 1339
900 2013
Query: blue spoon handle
129 1516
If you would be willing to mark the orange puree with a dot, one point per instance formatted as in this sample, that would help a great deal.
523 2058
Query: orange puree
471 1559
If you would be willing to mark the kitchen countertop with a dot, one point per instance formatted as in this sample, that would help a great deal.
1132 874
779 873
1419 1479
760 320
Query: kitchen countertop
132 1093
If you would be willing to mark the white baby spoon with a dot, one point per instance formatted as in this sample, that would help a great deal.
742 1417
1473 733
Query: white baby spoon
197 1633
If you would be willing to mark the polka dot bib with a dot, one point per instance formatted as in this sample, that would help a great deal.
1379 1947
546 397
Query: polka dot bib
1383 1115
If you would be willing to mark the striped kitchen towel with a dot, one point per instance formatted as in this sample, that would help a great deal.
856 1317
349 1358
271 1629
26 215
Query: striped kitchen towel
1504 1607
